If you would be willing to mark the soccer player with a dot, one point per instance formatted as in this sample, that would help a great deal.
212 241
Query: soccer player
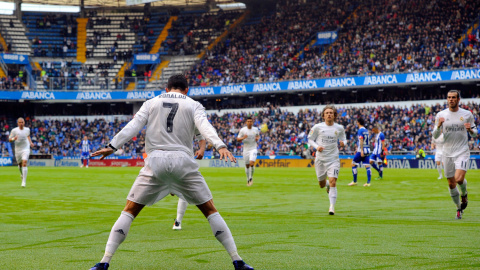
86 145
21 136
376 159
249 135
171 119
437 144
454 123
362 153
183 204
324 137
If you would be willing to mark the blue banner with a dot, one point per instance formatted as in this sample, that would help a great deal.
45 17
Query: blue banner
473 164
326 37
258 88
341 82
6 161
99 95
9 58
146 59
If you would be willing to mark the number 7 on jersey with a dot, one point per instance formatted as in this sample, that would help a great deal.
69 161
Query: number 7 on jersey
171 115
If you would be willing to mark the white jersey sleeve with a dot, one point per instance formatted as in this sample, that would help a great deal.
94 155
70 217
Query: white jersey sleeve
132 128
250 143
21 143
312 136
341 135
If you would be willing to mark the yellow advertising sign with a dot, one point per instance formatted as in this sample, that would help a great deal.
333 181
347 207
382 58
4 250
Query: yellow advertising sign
294 163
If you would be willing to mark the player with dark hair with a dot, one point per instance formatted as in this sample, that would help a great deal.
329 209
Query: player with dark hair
249 135
362 155
376 159
455 124
171 119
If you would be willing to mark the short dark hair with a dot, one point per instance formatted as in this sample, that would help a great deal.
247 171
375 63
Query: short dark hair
249 118
455 91
361 121
178 82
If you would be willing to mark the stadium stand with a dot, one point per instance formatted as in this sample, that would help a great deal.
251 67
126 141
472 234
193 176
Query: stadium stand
13 33
283 132
52 35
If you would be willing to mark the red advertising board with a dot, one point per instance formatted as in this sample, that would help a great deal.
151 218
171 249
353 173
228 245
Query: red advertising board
116 163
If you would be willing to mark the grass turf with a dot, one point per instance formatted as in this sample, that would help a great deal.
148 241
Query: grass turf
63 218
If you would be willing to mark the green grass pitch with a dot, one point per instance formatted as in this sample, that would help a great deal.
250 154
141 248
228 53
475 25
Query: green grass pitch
406 221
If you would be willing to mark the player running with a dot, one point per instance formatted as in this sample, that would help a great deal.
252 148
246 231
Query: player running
362 154
21 136
325 137
171 119
454 123
249 135
183 204
437 144
379 152
86 147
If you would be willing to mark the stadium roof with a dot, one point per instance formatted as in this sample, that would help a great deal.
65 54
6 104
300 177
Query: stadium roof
122 3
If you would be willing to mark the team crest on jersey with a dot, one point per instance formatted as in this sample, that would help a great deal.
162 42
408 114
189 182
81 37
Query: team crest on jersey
336 133
461 118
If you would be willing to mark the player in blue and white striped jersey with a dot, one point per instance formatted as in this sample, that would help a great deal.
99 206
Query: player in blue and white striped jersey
86 147
362 154
376 159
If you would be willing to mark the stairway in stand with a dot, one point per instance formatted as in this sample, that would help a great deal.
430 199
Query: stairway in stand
82 39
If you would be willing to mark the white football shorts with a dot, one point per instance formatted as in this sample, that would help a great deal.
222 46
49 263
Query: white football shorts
324 169
250 156
438 156
451 164
168 172
22 155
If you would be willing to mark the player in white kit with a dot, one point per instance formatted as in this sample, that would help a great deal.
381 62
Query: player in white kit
21 136
454 123
437 144
171 120
249 135
183 204
325 137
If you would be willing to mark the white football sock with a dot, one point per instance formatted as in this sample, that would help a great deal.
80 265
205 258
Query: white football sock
327 184
463 187
24 175
247 172
223 235
117 235
439 169
252 170
455 196
21 173
181 208
332 195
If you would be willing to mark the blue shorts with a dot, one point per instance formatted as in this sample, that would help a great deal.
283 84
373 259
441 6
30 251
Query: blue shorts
358 158
85 155
376 158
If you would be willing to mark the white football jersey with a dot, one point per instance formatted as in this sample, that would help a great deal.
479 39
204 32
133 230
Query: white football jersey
439 143
22 143
171 120
454 131
250 143
327 137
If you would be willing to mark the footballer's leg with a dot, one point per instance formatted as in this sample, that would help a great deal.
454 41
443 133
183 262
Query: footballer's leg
24 172
380 170
450 171
252 170
246 158
119 233
439 169
355 173
181 208
222 233
332 195
460 172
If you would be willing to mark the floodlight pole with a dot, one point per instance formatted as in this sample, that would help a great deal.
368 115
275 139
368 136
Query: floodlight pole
18 9
82 9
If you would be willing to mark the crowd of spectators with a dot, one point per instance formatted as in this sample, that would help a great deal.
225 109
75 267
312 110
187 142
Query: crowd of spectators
265 51
14 81
282 133
377 38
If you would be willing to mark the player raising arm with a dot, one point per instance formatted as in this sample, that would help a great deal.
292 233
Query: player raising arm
21 136
171 119
325 137
454 123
